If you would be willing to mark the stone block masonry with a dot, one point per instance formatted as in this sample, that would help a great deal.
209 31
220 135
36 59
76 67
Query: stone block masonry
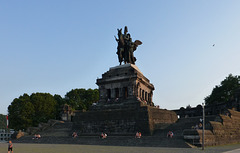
224 130
122 122
125 106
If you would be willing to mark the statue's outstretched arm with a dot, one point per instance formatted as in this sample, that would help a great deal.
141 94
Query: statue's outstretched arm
116 38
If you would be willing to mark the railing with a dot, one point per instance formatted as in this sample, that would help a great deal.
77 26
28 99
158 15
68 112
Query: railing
5 136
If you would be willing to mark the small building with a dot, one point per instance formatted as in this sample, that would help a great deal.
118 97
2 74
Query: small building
67 113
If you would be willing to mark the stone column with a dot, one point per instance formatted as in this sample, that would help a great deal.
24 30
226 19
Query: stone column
113 93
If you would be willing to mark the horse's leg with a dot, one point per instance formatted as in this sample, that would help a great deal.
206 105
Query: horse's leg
119 59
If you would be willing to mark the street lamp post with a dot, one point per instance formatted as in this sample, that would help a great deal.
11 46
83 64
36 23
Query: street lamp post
203 126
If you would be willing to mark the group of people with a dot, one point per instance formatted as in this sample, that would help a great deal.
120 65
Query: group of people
197 126
37 136
138 135
74 135
103 135
169 134
112 100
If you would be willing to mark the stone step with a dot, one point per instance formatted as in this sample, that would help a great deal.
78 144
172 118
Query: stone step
182 124
59 129
63 125
147 141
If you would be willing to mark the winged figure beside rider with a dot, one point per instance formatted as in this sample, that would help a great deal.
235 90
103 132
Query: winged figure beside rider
126 47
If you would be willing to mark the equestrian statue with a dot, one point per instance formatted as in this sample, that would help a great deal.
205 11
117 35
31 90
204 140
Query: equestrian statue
126 47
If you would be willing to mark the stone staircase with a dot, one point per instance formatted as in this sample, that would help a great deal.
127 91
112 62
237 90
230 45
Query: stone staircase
145 141
61 132
223 129
60 129
183 124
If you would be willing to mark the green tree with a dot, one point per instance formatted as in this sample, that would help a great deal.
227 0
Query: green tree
44 106
21 112
82 98
3 121
27 111
60 102
188 106
225 91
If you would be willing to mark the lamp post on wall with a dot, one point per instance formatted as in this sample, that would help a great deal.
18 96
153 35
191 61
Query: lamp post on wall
203 126
7 121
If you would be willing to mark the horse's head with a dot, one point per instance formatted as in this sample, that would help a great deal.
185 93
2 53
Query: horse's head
119 32
120 36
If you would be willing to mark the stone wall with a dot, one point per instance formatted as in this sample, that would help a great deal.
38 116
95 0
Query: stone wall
225 131
160 118
41 127
113 122
122 122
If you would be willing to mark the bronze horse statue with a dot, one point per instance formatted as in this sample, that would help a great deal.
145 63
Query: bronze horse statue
120 48
126 47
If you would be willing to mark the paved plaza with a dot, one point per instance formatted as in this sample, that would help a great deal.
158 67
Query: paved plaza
66 148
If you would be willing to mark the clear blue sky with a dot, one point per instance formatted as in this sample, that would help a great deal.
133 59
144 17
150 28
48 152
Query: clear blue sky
55 46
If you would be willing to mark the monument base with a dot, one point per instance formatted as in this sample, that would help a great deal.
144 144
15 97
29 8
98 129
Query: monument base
144 119
125 105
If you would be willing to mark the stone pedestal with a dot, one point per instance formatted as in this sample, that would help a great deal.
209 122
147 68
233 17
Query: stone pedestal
124 84
125 105
144 119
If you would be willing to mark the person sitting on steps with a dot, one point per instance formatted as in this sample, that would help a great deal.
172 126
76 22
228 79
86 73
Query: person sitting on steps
170 134
138 135
103 135
74 135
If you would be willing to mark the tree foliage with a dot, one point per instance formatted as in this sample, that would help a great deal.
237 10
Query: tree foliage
3 121
44 107
60 102
81 98
27 111
21 112
188 106
225 91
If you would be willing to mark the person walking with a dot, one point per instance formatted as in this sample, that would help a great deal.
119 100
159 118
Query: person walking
10 147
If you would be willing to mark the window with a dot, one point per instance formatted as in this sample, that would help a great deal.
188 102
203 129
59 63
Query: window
143 95
146 98
116 93
125 91
109 93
